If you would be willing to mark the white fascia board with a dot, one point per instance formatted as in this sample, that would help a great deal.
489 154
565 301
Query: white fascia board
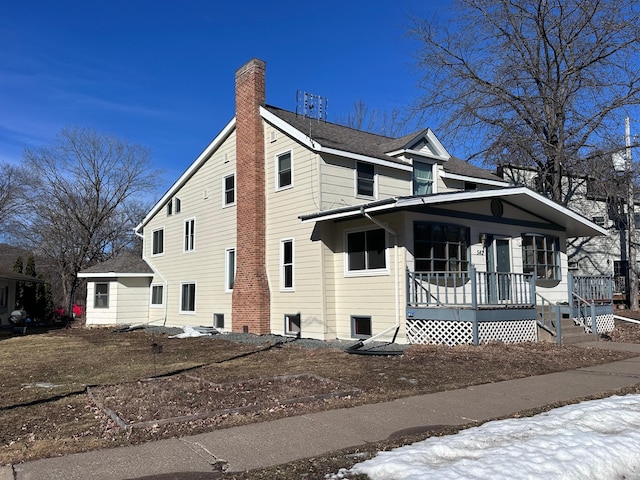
197 163
416 153
114 275
465 178
317 147
436 143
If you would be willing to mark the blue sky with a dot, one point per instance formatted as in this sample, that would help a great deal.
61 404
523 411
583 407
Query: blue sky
161 73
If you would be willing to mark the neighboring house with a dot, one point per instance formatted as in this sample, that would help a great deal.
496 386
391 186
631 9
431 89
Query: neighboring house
9 282
597 200
296 226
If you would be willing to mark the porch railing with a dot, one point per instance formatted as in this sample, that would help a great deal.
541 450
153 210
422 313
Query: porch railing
470 289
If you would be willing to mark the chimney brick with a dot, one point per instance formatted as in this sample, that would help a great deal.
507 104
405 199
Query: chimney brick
251 296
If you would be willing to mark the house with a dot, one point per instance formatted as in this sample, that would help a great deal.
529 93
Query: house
293 225
9 284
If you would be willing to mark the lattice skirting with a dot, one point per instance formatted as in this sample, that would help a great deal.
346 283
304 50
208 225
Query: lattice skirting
605 323
460 333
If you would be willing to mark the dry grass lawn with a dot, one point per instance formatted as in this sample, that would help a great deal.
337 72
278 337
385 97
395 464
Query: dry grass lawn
188 388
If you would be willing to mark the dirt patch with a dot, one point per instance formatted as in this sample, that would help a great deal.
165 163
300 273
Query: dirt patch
184 398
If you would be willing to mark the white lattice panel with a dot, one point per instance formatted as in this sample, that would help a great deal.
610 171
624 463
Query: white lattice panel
430 332
508 332
605 323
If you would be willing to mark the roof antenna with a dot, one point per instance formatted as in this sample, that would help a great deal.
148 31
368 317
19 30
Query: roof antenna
311 106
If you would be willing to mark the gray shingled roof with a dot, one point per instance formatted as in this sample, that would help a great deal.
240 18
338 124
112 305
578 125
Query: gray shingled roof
122 264
8 275
351 140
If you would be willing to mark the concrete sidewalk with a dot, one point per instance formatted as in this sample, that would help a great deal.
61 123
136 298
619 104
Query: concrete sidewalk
288 439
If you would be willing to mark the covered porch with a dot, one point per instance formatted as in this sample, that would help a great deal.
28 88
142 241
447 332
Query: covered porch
478 307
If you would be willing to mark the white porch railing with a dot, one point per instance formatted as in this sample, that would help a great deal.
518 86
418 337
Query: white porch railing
470 289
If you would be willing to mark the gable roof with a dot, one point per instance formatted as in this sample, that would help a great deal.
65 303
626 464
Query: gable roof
19 277
123 266
523 198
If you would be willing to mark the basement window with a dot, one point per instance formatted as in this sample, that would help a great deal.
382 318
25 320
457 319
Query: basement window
292 324
218 320
360 326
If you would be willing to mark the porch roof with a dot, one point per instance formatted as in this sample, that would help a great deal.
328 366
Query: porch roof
523 198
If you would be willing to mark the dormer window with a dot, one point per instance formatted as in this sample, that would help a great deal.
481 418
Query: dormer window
422 178
365 180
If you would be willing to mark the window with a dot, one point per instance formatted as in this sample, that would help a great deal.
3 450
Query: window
169 208
292 324
286 262
230 269
4 296
157 247
284 171
440 247
541 256
189 234
178 205
218 320
157 295
470 186
101 296
366 250
422 178
187 297
229 194
365 179
360 326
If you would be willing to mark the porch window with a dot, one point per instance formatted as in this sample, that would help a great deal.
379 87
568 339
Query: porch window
422 178
366 251
440 247
101 296
541 256
360 326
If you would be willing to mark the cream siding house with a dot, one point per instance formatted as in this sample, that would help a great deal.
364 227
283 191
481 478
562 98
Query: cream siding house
297 226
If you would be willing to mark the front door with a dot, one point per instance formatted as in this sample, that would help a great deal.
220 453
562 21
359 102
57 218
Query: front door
498 269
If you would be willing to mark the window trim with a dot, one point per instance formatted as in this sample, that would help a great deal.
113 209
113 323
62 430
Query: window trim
447 259
433 177
182 285
178 206
277 170
288 317
225 191
227 256
97 295
366 272
216 317
189 235
353 322
153 242
283 266
156 305
374 180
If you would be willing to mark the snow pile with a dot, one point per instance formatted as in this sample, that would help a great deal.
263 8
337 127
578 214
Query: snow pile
596 439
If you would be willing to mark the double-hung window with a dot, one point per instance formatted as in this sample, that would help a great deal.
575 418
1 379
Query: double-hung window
101 295
284 171
189 234
157 295
366 251
286 262
157 247
541 256
422 178
440 247
365 180
229 193
187 297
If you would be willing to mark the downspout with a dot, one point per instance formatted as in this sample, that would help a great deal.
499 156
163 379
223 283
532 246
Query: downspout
165 299
395 327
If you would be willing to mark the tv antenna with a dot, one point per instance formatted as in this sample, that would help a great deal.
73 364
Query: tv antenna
311 106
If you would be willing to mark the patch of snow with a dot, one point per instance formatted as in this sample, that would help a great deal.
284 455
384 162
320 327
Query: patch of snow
189 332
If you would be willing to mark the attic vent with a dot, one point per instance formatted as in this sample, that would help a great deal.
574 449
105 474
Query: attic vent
273 136
225 157
205 194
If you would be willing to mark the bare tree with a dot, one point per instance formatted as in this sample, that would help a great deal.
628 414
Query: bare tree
382 122
82 191
11 189
538 83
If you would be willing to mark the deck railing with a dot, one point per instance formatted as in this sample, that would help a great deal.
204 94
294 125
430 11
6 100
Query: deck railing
470 289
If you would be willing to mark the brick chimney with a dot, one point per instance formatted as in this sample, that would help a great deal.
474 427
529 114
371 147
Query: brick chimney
251 298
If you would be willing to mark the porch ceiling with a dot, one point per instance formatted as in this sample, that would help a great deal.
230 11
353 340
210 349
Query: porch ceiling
523 198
